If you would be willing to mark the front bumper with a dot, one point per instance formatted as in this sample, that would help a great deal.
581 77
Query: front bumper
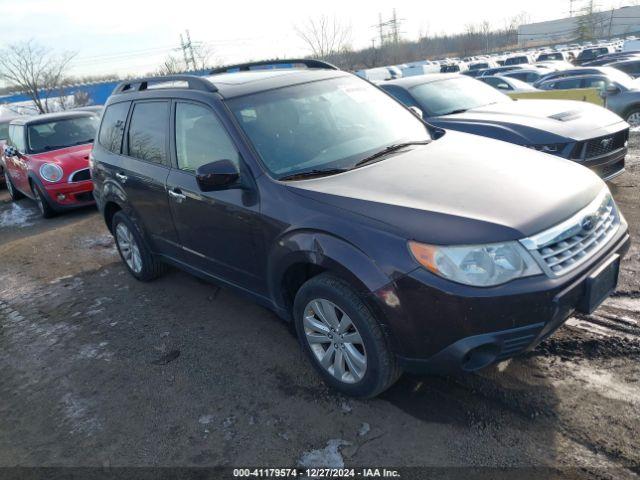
609 166
441 327
66 196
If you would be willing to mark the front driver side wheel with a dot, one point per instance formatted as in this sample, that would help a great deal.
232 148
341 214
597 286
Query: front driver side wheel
135 254
13 193
342 338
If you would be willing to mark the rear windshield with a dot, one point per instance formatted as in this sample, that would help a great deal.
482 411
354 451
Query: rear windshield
550 56
43 137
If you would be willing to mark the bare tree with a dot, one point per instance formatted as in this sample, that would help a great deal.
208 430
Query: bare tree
171 65
325 36
36 70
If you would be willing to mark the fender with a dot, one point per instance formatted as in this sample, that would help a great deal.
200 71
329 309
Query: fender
113 192
326 251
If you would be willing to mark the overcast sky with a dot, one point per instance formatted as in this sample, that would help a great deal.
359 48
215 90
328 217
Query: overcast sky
133 36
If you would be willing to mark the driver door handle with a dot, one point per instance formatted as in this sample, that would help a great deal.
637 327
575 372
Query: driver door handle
177 194
122 177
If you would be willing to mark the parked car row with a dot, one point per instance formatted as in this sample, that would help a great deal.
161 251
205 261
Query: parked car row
389 242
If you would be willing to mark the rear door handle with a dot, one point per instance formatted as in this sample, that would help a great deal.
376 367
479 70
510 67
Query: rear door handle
122 177
177 195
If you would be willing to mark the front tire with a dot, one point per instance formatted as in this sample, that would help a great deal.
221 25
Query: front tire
633 118
43 204
135 254
342 338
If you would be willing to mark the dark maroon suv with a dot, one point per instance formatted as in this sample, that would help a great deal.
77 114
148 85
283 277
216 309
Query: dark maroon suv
390 244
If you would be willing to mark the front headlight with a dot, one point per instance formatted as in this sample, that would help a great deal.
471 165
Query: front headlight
477 265
51 172
552 148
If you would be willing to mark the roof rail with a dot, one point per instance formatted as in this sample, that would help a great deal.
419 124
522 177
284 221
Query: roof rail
139 84
243 67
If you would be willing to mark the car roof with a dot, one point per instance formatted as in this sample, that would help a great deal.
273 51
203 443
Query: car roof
227 85
50 117
409 82
236 84
573 77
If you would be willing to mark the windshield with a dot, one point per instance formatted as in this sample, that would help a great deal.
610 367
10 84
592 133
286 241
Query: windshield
330 124
43 137
444 97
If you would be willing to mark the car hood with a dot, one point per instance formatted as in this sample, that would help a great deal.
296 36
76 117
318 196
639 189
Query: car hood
460 189
65 155
542 121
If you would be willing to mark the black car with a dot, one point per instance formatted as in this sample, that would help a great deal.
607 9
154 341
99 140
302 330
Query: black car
572 72
390 244
630 66
578 131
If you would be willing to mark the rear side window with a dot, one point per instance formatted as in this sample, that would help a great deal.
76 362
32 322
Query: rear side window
16 137
4 131
112 128
147 136
201 138
568 84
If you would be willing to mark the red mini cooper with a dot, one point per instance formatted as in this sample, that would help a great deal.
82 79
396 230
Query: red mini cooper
46 158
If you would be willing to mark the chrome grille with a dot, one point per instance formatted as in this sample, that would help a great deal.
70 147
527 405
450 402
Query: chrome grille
568 245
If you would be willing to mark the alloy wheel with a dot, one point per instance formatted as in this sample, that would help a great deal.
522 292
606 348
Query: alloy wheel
36 193
335 341
129 248
634 120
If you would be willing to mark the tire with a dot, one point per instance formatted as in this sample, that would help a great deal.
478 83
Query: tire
635 113
331 294
135 253
13 192
43 204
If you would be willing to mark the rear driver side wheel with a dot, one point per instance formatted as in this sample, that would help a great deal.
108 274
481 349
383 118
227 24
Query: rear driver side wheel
135 254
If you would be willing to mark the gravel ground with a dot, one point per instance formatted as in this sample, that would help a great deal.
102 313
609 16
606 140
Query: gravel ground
97 369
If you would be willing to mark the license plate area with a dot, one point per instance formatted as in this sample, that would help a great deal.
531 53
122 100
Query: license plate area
600 284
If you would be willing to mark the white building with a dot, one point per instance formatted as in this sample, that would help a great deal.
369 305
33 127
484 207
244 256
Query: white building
608 24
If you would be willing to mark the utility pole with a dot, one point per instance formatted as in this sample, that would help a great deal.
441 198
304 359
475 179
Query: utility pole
187 51
571 11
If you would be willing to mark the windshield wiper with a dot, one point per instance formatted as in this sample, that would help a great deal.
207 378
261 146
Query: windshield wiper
387 150
314 173
453 112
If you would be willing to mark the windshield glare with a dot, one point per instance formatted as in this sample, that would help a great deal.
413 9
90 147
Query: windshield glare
43 137
443 97
330 124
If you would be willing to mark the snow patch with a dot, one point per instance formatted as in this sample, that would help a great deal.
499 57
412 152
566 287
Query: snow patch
17 216
327 457
206 419
77 412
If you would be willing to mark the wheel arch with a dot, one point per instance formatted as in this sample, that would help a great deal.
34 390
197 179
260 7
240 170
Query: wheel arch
304 254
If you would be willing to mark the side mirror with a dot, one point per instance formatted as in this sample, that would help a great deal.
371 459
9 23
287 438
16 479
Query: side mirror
217 175
417 112
10 151
612 89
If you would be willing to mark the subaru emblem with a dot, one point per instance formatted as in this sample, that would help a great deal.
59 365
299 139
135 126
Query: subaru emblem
588 223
